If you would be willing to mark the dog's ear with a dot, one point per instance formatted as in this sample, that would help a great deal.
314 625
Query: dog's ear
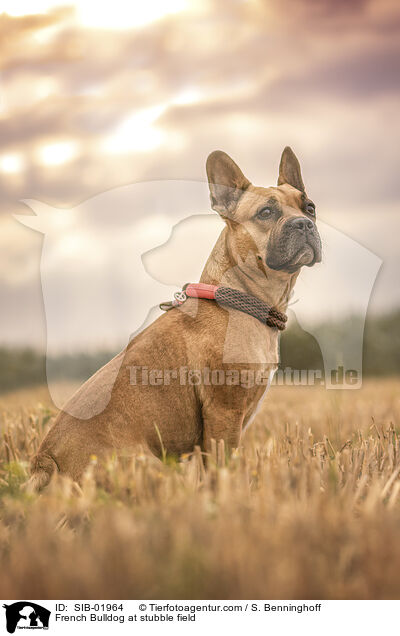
289 170
227 183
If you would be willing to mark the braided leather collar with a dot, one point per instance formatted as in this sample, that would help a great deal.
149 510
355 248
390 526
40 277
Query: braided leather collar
229 297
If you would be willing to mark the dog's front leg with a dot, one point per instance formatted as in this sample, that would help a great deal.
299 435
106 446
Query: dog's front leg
220 424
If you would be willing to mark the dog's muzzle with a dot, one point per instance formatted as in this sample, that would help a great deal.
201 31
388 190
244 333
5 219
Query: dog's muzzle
296 244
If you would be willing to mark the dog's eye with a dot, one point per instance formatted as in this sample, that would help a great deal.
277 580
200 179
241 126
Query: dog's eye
264 213
310 208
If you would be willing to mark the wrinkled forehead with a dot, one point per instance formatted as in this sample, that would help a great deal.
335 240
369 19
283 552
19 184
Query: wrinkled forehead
285 194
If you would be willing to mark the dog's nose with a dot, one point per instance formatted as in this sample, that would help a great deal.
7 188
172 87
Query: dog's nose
302 224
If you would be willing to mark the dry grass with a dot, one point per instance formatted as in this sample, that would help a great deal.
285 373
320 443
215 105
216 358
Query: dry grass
309 508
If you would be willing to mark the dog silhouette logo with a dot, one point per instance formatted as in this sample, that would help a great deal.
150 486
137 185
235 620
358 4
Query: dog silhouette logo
26 615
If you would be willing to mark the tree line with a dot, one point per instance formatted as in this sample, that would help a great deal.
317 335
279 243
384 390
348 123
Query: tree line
21 367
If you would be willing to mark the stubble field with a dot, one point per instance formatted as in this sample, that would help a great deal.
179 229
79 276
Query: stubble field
308 508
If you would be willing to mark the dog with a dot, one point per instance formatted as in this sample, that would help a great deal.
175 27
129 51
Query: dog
270 234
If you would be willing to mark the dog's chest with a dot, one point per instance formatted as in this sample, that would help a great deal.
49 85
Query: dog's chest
248 341
257 403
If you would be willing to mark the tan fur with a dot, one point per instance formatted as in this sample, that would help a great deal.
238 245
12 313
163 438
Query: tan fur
200 335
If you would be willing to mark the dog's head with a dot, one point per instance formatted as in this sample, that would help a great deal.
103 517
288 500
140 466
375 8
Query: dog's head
278 223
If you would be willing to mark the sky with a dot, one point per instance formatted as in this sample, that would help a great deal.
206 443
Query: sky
97 96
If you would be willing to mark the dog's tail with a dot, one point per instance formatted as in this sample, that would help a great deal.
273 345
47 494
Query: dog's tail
42 468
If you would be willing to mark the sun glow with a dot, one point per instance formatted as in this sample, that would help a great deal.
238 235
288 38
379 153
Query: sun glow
19 8
12 163
118 14
57 154
189 95
136 133
139 132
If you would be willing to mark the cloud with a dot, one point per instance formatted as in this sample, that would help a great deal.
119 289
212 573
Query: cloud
246 77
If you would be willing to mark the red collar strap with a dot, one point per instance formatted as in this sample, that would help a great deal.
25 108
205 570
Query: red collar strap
228 297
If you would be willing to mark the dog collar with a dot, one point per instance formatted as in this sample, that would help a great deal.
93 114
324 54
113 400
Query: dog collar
229 297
